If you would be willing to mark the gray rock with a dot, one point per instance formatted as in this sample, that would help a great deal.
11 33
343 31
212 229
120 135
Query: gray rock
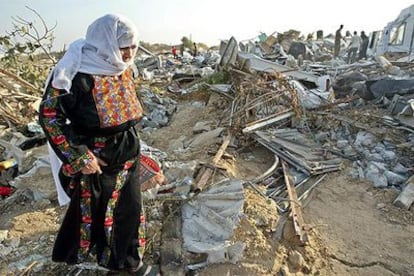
159 116
365 139
349 151
376 176
361 89
146 122
198 104
379 148
321 136
201 127
394 178
206 138
375 157
296 260
354 173
400 169
5 251
381 205
177 145
342 144
235 251
381 166
179 170
13 243
389 155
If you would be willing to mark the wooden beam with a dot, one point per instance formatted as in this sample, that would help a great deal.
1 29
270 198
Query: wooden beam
208 171
267 121
23 82
295 210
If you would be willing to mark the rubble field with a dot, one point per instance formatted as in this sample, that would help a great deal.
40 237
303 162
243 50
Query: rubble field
354 229
297 166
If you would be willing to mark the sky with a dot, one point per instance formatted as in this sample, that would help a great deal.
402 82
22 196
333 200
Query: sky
167 21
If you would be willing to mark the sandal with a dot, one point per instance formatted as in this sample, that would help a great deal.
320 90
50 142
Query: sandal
146 270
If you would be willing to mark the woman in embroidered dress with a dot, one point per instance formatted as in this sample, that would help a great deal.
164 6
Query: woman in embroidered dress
88 113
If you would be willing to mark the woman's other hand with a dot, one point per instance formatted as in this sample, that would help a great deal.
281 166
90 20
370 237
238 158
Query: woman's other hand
94 166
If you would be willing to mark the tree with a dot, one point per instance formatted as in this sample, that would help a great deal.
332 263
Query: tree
187 42
25 46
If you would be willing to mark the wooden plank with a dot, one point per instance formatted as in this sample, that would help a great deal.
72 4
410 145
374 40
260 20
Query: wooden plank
208 171
23 82
295 210
268 122
6 85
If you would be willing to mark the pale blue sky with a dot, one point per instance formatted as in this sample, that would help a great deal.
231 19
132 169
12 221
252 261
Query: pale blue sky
167 21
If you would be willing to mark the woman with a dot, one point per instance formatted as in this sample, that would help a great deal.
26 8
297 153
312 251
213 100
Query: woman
88 113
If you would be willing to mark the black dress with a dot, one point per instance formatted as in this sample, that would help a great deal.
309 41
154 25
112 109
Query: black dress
104 217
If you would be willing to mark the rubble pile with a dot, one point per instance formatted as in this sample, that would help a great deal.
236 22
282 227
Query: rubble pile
19 98
313 115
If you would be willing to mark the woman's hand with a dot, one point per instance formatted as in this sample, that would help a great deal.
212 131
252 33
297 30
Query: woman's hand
94 166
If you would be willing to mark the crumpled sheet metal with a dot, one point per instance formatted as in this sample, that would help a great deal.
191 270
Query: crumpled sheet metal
210 218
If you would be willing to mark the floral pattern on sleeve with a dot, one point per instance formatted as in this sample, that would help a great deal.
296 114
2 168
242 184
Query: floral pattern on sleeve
53 122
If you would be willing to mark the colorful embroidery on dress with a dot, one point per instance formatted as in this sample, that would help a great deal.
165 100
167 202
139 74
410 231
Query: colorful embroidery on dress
109 215
86 219
76 160
116 101
142 240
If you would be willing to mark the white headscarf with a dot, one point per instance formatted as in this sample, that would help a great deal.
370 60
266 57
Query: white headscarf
99 52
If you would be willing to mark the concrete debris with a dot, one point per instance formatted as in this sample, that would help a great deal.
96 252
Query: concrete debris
201 127
38 180
390 87
406 198
205 138
210 218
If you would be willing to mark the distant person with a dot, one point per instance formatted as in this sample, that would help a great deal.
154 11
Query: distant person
174 52
353 48
338 37
182 49
195 53
364 46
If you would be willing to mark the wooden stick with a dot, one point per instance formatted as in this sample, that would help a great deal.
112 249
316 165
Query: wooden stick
6 85
208 171
27 269
296 210
23 82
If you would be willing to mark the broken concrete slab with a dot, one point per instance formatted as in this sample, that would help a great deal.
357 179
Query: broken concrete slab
406 198
252 62
390 87
205 138
39 180
201 127
228 52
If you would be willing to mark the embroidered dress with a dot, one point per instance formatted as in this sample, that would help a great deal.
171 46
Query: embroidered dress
104 216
